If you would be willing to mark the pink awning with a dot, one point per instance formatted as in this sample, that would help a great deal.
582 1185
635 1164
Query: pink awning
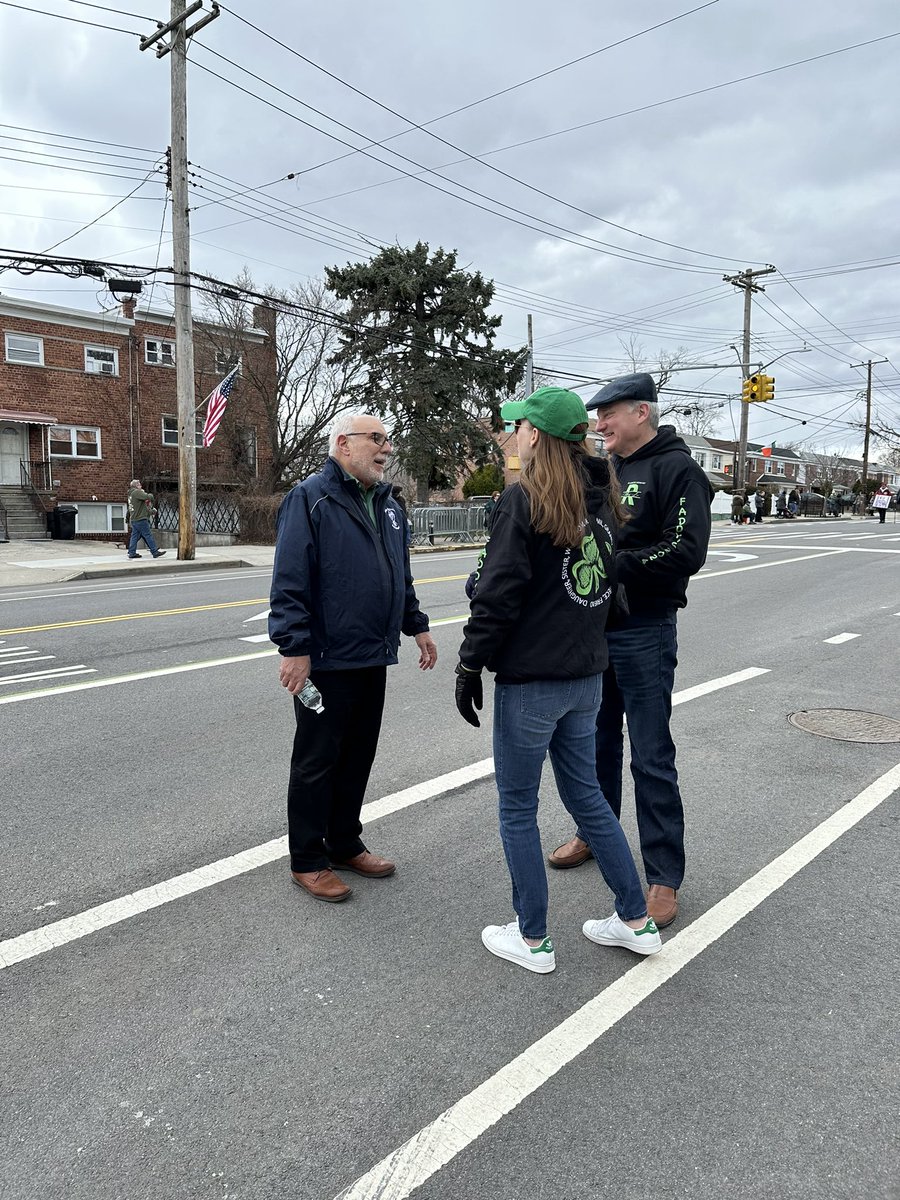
26 418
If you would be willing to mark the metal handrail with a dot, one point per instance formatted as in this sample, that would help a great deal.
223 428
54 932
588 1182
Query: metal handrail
4 525
28 469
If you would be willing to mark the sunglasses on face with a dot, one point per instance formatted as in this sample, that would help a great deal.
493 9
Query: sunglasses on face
380 439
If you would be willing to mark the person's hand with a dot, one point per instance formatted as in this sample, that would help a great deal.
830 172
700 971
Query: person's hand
427 651
294 672
469 694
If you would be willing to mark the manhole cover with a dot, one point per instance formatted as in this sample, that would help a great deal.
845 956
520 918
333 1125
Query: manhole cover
847 724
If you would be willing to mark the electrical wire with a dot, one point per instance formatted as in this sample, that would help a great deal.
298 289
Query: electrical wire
72 138
106 213
40 12
595 244
469 157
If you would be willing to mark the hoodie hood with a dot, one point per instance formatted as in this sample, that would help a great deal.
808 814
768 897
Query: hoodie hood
666 440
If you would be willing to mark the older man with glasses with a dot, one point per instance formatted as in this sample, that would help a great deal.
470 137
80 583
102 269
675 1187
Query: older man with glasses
342 594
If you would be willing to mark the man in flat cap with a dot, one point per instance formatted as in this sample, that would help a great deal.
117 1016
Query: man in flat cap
668 498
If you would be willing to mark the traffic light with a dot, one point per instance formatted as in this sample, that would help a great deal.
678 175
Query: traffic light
752 388
767 390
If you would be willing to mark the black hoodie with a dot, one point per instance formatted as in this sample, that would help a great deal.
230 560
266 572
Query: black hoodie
539 611
668 498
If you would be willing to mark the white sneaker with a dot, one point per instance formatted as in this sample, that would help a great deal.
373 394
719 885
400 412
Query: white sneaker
506 942
614 932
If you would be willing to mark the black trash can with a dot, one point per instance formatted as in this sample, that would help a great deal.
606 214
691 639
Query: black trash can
53 523
63 521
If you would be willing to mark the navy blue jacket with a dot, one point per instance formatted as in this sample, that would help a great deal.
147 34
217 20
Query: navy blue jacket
340 592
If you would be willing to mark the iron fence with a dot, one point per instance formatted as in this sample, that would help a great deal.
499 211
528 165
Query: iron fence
461 523
35 473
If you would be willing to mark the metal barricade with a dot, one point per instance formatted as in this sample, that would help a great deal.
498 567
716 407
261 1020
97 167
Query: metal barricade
456 522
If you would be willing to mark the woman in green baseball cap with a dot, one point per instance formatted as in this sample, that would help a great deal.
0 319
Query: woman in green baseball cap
539 609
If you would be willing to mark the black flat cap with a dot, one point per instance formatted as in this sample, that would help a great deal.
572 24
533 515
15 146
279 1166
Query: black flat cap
638 387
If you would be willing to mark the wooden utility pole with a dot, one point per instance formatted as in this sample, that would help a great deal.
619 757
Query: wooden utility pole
181 254
868 433
529 364
745 280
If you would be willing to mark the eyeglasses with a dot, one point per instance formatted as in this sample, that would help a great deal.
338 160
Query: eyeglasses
380 439
518 424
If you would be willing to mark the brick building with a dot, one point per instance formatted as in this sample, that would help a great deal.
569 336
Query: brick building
88 402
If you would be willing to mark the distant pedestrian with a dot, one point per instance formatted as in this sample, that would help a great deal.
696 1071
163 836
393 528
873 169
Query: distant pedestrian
140 510
880 502
489 507
747 511
760 505
737 507
794 502
781 504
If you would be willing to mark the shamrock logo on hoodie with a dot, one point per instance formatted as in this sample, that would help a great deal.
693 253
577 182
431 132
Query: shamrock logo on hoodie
589 571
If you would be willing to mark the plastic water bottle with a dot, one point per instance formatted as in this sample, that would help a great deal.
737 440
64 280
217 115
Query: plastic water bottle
310 695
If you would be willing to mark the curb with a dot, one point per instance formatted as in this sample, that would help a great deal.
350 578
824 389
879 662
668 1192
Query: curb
175 566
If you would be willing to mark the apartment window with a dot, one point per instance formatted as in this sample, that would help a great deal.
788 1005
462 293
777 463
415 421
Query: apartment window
101 360
159 353
170 431
701 458
247 443
21 348
74 441
717 462
225 362
780 468
100 518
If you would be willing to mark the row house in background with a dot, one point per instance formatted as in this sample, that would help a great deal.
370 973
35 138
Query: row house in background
88 402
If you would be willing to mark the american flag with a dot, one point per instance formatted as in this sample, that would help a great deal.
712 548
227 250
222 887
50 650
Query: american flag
215 407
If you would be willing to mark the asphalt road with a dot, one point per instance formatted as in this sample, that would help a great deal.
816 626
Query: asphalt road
226 1036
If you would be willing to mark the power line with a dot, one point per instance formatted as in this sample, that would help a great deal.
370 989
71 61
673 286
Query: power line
72 138
475 158
601 247
40 12
106 213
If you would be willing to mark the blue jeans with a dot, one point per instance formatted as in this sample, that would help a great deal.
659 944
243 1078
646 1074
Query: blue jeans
559 716
139 530
638 684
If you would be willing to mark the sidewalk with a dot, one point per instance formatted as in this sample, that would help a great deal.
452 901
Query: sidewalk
27 563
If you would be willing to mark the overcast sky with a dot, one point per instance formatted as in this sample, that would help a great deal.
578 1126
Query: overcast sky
797 169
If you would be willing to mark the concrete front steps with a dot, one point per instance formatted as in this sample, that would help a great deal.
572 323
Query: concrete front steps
25 521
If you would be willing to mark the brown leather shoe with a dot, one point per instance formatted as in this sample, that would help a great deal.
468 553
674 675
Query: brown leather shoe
366 864
324 885
571 854
662 904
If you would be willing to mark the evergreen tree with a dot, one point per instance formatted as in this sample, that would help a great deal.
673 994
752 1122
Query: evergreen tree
420 329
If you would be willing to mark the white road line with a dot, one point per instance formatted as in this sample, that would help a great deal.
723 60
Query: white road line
255 637
14 649
33 676
839 638
70 929
408 1167
715 685
763 566
136 675
33 657
109 588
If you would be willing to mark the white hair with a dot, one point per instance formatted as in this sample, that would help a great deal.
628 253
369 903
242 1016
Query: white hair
135 483
343 424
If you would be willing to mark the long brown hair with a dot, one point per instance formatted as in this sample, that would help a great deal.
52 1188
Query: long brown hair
554 481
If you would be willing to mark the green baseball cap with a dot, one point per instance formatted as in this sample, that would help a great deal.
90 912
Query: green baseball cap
553 410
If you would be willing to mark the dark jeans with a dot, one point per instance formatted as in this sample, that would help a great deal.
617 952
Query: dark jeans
330 764
638 685
559 716
139 530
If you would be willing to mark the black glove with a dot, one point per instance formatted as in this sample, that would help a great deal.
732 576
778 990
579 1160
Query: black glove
469 694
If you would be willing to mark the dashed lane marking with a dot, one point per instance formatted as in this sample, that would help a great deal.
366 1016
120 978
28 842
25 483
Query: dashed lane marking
435 1145
70 929
840 638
